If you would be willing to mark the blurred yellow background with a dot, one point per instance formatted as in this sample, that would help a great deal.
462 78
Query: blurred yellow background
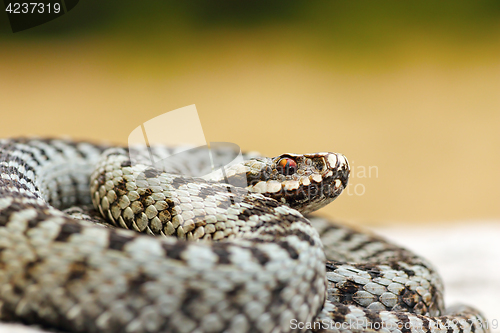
409 92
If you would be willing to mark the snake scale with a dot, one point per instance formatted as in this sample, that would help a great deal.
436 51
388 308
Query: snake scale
211 257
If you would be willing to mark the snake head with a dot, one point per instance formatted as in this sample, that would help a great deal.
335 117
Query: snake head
304 182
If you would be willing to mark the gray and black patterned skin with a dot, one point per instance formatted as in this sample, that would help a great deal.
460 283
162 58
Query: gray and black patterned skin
242 259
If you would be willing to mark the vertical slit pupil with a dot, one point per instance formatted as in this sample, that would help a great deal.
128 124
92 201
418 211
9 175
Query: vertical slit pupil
288 166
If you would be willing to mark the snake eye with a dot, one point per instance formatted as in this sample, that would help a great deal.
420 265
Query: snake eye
287 166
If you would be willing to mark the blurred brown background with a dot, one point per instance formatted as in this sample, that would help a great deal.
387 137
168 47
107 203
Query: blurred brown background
408 91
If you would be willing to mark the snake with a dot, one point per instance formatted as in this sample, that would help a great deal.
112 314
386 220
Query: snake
94 238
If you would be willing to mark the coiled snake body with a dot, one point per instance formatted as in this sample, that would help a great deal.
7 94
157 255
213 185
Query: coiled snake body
244 260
